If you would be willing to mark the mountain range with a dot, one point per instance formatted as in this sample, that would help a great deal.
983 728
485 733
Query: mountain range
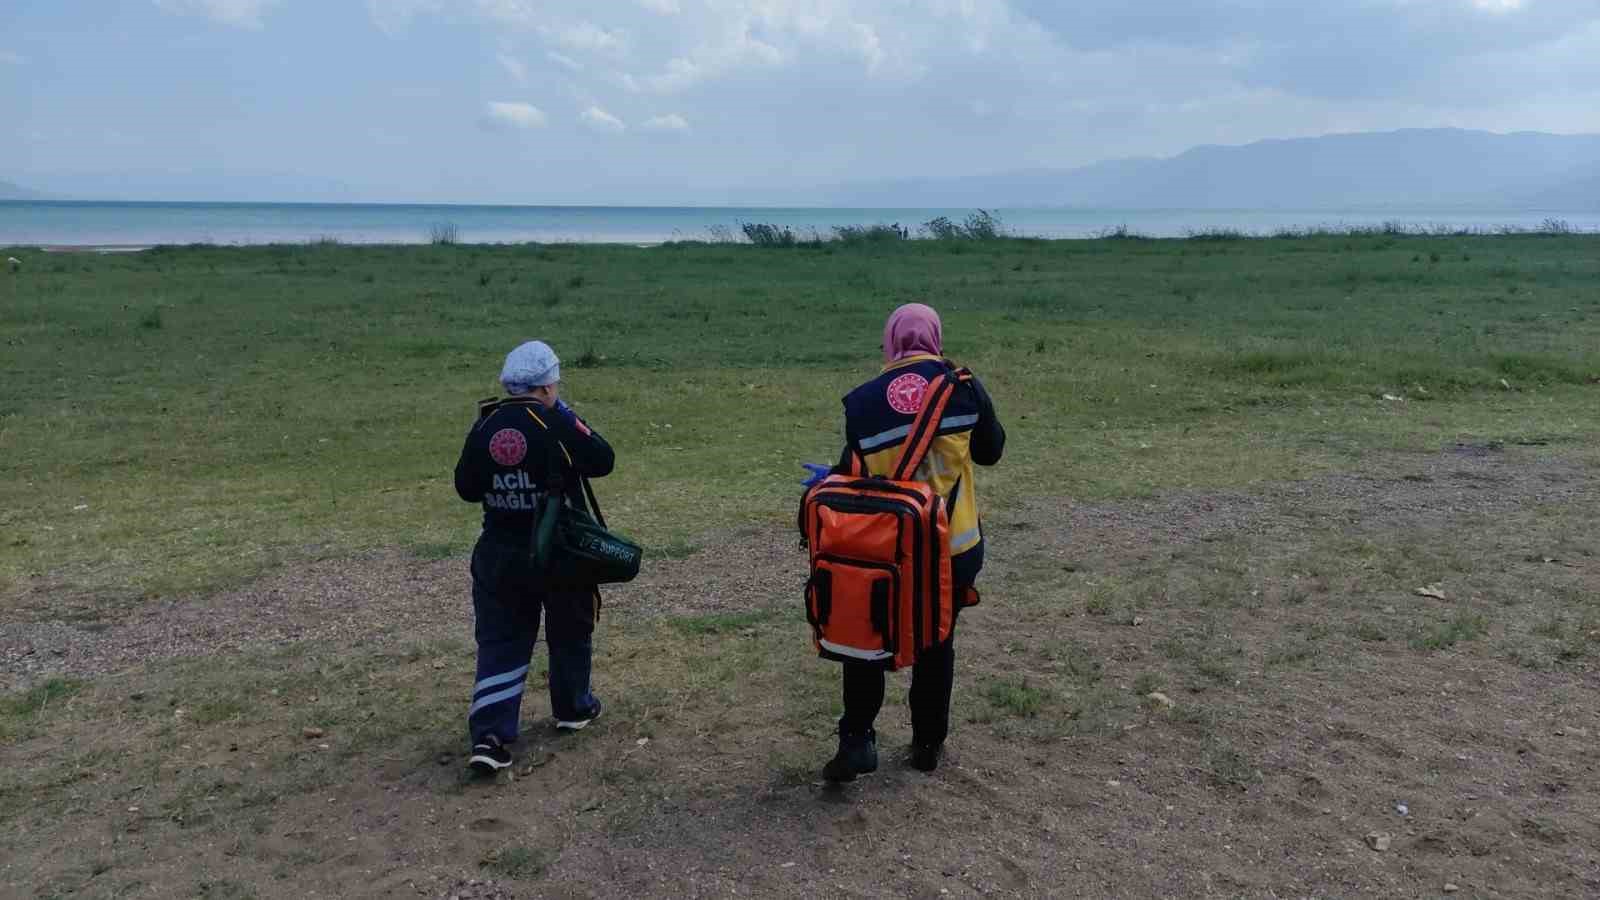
1418 168
9 191
1412 168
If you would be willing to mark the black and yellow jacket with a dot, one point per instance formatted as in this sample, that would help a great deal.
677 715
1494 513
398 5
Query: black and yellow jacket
505 462
878 415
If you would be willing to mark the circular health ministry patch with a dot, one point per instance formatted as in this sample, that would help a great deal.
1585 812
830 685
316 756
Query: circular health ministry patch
905 393
508 446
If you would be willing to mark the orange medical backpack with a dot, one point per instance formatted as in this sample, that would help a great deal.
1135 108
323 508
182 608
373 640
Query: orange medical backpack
880 588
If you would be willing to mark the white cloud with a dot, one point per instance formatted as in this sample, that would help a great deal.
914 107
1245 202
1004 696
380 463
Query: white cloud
600 120
751 35
680 74
586 36
503 114
520 13
392 16
1051 83
237 13
544 19
865 38
669 122
10 58
565 61
513 67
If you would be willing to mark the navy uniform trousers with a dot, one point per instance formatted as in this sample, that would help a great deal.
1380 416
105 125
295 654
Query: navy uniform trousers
507 598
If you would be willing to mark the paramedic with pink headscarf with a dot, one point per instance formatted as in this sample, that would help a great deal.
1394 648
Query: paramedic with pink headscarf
878 415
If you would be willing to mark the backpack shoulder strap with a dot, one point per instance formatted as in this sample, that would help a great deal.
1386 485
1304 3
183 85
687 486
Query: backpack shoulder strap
926 425
559 460
858 466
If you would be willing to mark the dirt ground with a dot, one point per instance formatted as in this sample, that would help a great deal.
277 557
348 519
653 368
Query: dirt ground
1371 684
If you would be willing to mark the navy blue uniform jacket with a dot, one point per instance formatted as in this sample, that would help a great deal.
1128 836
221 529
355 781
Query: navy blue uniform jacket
505 462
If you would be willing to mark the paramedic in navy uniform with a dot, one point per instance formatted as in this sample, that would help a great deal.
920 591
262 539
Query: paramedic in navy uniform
504 466
876 418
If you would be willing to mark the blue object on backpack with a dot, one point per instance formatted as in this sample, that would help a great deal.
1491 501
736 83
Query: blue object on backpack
818 472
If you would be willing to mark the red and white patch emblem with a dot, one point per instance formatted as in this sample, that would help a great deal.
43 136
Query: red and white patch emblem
906 392
508 447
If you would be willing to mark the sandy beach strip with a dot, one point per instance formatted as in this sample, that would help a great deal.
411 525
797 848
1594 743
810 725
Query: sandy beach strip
94 248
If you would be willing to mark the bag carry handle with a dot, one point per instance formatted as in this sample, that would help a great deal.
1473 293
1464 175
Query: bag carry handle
925 427
556 497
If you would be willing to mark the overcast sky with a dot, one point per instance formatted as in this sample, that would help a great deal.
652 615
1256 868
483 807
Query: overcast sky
679 100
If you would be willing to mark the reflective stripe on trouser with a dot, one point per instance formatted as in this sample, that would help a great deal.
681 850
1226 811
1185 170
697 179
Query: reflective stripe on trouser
506 601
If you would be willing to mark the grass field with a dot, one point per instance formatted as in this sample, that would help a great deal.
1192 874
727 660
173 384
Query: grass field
182 418
227 519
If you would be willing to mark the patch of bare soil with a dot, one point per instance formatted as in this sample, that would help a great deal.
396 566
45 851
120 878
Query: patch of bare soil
383 598
1372 684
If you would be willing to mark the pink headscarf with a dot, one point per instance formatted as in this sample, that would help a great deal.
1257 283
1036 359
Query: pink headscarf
912 329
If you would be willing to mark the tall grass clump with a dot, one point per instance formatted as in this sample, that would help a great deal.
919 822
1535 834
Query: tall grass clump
856 235
983 226
766 234
1120 233
1217 234
444 233
1302 232
1440 230
942 229
978 226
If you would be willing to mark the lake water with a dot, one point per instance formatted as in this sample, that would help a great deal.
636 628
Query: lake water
142 224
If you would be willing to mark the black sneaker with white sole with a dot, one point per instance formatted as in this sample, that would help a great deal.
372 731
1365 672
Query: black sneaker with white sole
581 722
489 756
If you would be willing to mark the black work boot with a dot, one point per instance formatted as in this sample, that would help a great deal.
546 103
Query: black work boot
858 755
925 755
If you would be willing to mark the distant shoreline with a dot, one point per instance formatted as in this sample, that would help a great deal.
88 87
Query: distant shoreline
126 226
647 245
90 248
